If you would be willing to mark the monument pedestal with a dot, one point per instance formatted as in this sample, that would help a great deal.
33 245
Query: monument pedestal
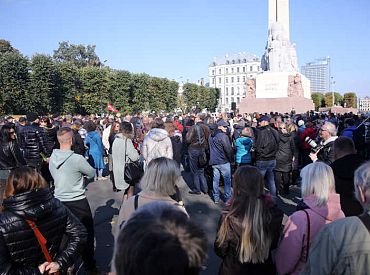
277 92
280 105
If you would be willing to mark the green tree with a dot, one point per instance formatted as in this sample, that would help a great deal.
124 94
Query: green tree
338 99
68 98
119 87
13 82
41 96
79 55
5 46
350 100
191 95
94 90
140 98
317 99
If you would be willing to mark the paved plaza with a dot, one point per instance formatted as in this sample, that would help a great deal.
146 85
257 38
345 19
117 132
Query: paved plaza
105 207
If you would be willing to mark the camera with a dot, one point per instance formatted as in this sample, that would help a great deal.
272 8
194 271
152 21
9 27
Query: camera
314 146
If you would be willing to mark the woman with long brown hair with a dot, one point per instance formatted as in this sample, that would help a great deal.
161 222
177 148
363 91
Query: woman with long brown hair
249 228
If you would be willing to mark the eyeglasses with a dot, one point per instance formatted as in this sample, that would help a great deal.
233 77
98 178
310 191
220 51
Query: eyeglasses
11 132
322 130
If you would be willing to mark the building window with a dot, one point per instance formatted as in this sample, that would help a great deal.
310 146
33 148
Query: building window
251 68
245 60
237 69
219 71
219 80
227 62
232 70
227 80
227 100
232 79
232 90
239 61
258 68
227 91
233 61
243 78
238 91
213 81
227 70
213 72
243 69
238 79
232 99
238 100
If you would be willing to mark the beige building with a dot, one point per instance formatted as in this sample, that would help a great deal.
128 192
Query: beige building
364 104
229 74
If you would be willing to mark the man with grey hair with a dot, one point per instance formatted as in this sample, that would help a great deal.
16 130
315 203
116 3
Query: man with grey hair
343 246
328 134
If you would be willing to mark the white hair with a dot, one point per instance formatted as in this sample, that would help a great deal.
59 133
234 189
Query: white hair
330 127
362 180
318 180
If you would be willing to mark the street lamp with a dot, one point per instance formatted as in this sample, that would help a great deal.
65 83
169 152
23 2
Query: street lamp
332 91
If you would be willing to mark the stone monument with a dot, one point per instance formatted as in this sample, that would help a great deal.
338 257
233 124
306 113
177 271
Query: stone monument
280 88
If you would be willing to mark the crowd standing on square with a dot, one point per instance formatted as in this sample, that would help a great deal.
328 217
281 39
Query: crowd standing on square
244 162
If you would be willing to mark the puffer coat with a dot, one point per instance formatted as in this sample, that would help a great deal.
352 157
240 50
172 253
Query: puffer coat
157 144
284 156
20 252
10 155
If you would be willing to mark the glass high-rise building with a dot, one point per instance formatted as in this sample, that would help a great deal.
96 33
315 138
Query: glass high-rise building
318 72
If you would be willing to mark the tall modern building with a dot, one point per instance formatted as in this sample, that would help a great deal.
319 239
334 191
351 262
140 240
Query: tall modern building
229 74
364 104
318 72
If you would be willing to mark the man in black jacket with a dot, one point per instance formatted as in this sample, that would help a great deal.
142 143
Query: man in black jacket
344 167
33 143
267 145
221 155
328 133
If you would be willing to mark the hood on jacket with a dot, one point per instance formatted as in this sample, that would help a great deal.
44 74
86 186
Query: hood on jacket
59 157
331 211
285 137
30 205
157 134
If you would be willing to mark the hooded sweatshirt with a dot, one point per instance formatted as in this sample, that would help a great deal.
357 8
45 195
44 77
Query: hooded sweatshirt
157 144
68 169
292 250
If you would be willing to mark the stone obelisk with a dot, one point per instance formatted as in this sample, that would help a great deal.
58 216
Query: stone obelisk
279 12
280 87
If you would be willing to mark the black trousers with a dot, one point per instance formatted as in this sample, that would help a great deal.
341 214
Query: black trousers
282 180
81 209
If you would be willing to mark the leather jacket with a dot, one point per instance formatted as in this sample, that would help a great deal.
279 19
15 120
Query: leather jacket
10 156
20 252
33 142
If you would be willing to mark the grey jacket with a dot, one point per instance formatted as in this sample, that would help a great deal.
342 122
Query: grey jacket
119 150
341 247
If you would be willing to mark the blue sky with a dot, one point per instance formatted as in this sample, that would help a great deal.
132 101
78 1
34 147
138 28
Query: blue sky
179 38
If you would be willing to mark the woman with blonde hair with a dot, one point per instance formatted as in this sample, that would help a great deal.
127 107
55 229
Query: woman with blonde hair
158 184
321 205
29 207
249 228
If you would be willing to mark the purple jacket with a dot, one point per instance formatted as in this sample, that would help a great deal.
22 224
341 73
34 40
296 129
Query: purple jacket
291 253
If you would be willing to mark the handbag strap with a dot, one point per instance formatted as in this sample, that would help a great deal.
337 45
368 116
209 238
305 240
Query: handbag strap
308 232
41 239
198 132
365 218
136 201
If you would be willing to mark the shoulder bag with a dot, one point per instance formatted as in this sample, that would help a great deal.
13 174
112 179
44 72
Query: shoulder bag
308 233
202 158
133 170
42 241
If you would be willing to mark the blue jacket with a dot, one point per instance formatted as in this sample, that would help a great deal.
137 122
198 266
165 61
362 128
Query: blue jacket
96 149
220 150
243 146
348 132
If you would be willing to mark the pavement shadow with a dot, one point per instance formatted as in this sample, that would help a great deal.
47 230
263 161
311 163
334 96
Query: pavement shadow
206 215
103 234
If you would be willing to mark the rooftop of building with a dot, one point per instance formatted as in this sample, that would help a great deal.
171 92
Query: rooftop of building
238 58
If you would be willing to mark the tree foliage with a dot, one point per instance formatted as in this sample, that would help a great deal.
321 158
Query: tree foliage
350 100
74 81
338 99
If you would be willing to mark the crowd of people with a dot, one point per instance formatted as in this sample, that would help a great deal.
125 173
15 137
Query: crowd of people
243 162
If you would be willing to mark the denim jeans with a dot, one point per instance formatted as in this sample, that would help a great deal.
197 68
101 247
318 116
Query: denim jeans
266 168
225 171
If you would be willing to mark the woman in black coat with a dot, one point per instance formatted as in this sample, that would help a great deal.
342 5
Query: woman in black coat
284 159
27 198
10 154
